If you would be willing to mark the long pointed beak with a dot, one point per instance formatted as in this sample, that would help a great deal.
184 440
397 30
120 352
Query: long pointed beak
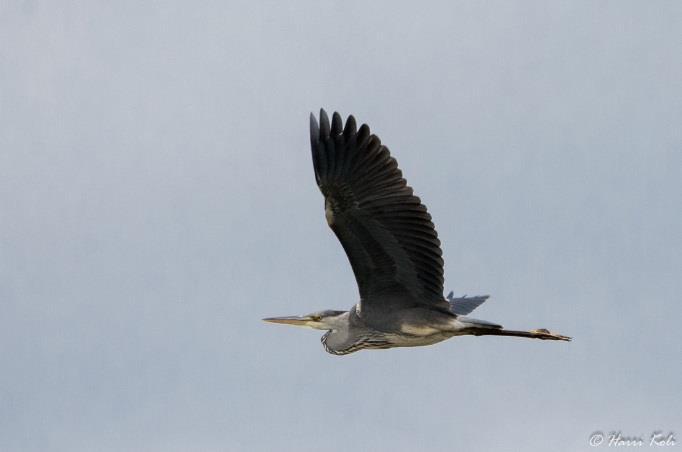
289 320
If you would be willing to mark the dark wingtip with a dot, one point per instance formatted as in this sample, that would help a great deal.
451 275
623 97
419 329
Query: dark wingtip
351 126
337 124
314 130
324 124
363 134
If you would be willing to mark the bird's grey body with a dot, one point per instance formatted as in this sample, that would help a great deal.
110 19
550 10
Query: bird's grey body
409 328
392 246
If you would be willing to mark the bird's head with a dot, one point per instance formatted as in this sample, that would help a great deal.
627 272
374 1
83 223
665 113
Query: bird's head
322 320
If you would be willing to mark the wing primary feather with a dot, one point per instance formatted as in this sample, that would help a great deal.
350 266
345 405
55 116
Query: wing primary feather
363 134
314 145
351 126
324 125
337 124
314 132
331 157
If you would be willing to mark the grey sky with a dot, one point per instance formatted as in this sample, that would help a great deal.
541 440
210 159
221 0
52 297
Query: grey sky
157 199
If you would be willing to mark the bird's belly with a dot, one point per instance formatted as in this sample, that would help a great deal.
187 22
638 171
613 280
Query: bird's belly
419 330
409 340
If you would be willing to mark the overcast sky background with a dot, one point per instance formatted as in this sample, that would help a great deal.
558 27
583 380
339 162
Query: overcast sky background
157 200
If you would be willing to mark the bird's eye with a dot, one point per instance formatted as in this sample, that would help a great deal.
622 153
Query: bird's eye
316 318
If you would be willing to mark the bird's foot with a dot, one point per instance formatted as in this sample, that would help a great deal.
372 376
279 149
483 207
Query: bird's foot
545 334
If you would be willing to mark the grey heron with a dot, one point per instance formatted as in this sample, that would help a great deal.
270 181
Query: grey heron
393 249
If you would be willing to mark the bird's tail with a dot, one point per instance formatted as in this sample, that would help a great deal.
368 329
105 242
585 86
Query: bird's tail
483 328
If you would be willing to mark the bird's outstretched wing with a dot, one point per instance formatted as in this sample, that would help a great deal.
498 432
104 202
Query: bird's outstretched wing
384 228
464 305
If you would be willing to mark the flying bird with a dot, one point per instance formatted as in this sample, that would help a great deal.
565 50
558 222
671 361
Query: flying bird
393 248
